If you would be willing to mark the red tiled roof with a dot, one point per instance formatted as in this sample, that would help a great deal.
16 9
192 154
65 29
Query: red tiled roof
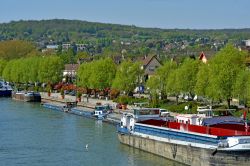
202 55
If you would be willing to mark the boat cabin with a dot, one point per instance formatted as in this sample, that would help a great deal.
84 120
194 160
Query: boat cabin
102 110
188 119
146 113
205 111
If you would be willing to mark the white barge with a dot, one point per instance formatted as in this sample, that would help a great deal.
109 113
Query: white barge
187 142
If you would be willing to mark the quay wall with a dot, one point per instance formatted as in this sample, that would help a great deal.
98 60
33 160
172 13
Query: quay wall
188 155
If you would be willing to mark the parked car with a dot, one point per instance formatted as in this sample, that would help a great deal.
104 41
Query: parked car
72 93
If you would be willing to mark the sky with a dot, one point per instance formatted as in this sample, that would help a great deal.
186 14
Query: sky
168 14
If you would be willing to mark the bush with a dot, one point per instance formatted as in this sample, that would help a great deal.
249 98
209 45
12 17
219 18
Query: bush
48 88
79 94
129 100
180 108
62 91
123 99
114 93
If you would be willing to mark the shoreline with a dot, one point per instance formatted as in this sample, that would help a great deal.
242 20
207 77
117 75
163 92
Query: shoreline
82 107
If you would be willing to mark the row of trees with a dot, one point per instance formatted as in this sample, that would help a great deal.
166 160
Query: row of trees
104 73
33 69
223 78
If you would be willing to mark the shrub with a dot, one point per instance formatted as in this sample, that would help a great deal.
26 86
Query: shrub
62 91
114 93
79 94
123 99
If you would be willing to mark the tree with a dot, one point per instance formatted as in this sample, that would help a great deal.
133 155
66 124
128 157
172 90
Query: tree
127 76
2 66
174 84
68 57
202 80
83 74
163 73
154 87
15 49
33 64
242 86
103 73
223 71
50 69
7 71
187 75
16 71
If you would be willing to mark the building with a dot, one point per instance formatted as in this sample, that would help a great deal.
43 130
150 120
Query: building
203 57
247 43
69 72
66 46
50 49
150 64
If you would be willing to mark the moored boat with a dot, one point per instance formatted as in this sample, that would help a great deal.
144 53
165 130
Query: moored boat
101 111
5 89
27 96
63 107
182 140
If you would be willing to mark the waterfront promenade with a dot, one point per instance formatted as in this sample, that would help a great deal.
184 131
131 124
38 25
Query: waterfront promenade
114 117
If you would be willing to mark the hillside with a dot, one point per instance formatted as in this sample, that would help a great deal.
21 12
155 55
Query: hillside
116 40
75 31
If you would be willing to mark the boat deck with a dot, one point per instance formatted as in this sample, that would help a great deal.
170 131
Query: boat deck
215 131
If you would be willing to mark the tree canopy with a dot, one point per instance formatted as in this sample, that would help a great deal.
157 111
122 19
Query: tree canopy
15 49
223 71
127 76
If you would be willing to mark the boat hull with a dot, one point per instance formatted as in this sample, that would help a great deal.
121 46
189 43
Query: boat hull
186 154
5 93
28 98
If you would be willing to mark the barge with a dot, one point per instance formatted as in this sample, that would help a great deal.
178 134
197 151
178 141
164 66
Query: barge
185 141
27 96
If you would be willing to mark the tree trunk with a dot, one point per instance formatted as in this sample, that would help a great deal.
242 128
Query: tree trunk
163 95
177 97
228 103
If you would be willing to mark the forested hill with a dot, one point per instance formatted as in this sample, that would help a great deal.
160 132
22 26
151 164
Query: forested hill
59 31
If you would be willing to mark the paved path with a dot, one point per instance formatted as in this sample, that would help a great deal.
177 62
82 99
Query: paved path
56 97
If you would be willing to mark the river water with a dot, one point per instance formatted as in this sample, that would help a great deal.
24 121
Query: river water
31 135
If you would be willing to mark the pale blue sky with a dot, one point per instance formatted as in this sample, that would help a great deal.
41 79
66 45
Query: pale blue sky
199 14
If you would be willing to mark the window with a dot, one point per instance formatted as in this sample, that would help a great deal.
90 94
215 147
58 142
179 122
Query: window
151 68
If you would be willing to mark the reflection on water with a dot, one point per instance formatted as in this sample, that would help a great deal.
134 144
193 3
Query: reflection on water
32 135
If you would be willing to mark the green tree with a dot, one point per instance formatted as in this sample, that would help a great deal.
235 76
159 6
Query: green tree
50 69
187 75
83 74
127 76
7 71
33 64
15 49
174 84
154 89
16 71
68 57
224 68
202 80
2 66
103 73
242 86
163 73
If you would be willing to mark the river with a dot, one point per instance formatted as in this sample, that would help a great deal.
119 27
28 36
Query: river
35 136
